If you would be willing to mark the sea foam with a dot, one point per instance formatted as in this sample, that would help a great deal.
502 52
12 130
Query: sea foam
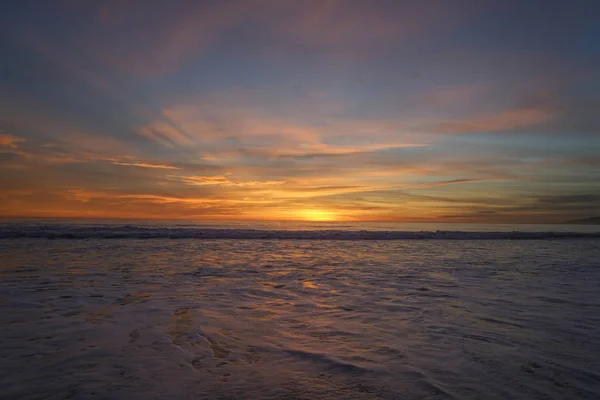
55 231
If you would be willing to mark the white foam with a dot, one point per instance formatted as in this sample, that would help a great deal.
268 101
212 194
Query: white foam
58 231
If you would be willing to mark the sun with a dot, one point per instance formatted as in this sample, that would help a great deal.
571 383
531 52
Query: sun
318 215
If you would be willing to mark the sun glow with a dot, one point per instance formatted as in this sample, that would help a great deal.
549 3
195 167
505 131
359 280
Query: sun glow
318 215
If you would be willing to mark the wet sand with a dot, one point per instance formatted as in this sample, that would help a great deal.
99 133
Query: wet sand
270 319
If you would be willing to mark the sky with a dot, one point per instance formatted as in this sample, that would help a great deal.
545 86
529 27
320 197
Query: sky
341 110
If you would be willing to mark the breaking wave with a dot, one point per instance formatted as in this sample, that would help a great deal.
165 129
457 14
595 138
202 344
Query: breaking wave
138 232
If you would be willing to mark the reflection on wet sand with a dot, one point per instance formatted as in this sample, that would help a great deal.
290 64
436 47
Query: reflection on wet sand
298 320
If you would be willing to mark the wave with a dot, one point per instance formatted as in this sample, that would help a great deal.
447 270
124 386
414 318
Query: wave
138 232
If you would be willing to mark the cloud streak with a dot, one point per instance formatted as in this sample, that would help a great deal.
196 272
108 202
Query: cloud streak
142 164
9 141
264 109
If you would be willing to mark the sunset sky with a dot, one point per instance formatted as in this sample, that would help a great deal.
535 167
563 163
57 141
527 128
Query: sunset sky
362 110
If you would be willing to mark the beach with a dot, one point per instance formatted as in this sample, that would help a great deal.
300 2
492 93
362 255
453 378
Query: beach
299 200
125 318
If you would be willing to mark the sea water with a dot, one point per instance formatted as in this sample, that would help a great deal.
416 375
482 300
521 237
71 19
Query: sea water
208 311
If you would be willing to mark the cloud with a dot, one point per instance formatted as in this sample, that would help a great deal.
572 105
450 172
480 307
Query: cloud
141 164
222 181
501 121
246 123
149 39
353 27
9 141
453 95
250 108
592 200
450 182
258 123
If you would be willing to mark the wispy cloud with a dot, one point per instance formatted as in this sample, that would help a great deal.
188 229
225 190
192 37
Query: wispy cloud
501 121
450 182
353 28
222 180
9 141
253 109
154 39
141 164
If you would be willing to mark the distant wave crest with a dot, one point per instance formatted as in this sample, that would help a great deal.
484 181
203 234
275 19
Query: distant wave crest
137 232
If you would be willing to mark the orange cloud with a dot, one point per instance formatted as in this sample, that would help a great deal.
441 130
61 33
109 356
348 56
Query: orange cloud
450 182
83 195
225 123
9 141
222 180
141 164
503 120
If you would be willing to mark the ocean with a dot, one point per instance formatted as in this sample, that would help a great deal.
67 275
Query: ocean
172 310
